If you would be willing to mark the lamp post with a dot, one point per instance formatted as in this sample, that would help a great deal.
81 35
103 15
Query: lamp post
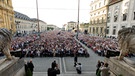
78 18
37 16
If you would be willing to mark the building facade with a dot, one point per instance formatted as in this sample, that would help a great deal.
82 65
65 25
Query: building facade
7 15
42 26
121 14
84 27
98 17
26 25
64 27
71 26
52 27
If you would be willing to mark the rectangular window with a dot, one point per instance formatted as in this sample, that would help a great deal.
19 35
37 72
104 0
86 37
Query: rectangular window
102 19
90 22
97 30
134 15
91 8
100 4
95 6
90 29
104 2
114 30
109 17
101 29
115 18
97 20
107 30
133 26
91 15
124 17
122 27
93 30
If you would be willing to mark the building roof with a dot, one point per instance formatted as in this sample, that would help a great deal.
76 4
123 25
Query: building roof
21 16
25 17
114 1
71 22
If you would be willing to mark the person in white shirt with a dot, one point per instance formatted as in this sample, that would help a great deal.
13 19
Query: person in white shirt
105 70
79 68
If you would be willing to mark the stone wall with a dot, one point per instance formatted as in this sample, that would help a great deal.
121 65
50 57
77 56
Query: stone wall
120 67
10 68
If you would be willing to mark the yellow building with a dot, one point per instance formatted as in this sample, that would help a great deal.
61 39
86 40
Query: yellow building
7 15
98 15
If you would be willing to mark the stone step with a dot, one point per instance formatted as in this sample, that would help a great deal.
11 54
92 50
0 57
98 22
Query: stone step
67 74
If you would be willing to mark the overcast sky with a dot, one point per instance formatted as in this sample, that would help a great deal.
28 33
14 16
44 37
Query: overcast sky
57 12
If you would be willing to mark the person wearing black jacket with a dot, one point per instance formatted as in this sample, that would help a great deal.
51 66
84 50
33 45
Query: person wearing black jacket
75 60
31 66
54 63
54 70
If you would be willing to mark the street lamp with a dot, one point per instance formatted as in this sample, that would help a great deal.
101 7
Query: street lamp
37 16
78 18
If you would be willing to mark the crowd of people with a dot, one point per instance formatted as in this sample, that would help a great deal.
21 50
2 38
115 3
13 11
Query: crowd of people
52 44
100 45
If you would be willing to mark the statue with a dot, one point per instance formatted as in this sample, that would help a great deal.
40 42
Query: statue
126 41
5 42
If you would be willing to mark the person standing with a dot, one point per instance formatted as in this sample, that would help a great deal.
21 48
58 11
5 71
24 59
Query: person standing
54 63
54 70
75 60
31 66
79 68
25 66
105 70
98 66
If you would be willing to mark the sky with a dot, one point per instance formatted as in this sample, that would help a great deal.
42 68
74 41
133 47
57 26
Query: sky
57 12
